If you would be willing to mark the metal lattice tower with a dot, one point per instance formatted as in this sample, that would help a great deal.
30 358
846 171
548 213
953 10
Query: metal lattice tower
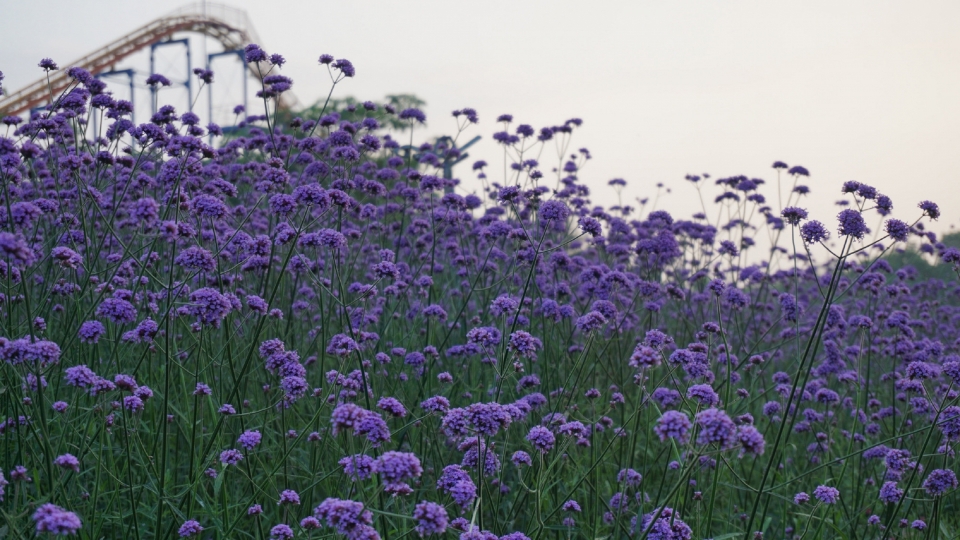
229 26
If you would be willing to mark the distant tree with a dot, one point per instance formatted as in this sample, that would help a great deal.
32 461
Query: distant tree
911 256
351 109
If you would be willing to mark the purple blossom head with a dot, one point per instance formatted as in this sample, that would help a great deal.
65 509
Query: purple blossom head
357 467
673 425
751 440
50 518
897 229
349 518
289 496
230 457
541 438
590 226
793 215
524 345
189 528
705 394
930 209
939 482
827 494
852 224
554 211
117 310
521 458
342 345
431 518
395 467
715 427
813 232
281 531
67 461
890 493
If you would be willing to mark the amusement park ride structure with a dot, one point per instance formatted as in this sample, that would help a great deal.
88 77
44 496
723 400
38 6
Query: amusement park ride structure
229 26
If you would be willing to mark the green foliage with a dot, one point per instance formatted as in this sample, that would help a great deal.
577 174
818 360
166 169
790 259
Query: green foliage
927 266
351 109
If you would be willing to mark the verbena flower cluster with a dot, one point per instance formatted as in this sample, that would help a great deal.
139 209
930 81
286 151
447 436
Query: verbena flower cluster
309 327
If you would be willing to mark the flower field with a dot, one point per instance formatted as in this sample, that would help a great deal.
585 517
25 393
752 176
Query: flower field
303 328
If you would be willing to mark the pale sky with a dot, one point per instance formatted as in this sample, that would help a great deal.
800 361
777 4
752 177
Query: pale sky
866 91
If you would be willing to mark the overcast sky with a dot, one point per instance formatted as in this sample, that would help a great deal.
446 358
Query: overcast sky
866 91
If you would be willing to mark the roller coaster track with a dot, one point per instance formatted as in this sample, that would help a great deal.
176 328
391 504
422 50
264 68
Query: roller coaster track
229 26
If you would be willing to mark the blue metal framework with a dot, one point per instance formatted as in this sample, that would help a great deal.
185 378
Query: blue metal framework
129 73
243 58
153 91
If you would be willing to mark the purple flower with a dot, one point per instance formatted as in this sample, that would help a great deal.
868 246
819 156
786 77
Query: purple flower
488 418
347 416
667 526
813 232
827 494
897 229
347 517
16 248
189 528
716 428
66 257
852 224
208 306
590 226
342 345
521 458
673 425
289 496
52 519
553 211
485 336
790 308
281 532
80 376
751 440
930 209
254 53
524 345
67 461
357 467
309 523
208 206
413 114
703 393
157 79
940 481
230 457
541 438
890 493
345 67
793 215
431 518
133 403
590 322
117 310
392 406
395 467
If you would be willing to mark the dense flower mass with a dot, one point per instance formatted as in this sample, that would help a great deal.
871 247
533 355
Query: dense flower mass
212 332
